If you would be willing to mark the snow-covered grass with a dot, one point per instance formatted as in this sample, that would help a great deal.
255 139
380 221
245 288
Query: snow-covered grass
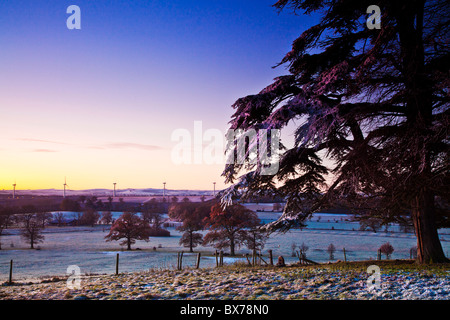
336 281
86 247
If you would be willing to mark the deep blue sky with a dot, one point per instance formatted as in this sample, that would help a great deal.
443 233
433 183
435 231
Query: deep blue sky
136 71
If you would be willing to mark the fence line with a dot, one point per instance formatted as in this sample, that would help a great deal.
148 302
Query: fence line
219 258
257 259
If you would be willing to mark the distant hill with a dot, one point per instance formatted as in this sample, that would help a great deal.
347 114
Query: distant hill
129 192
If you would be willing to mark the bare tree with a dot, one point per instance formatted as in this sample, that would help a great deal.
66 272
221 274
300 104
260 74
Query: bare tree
31 230
293 249
371 224
331 250
8 215
44 217
3 224
89 217
106 217
302 249
255 239
59 217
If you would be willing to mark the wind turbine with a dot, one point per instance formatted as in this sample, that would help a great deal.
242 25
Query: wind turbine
164 191
65 185
14 190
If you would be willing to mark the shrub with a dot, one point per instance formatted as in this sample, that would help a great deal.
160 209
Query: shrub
159 232
387 249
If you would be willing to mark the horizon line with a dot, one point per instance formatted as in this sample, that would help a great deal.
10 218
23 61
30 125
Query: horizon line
112 189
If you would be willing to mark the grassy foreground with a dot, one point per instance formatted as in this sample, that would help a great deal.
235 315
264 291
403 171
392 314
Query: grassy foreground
398 280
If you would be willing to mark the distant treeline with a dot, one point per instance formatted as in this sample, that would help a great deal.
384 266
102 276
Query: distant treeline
78 204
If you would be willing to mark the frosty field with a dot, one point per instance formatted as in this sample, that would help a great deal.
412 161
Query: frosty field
86 248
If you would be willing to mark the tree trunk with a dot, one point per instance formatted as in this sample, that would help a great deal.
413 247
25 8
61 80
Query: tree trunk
128 244
232 245
419 89
429 249
191 245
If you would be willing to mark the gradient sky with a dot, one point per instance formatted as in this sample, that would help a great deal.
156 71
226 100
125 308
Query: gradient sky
99 105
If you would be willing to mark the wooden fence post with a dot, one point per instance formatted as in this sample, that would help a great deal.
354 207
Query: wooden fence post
198 260
10 271
180 260
217 258
270 257
117 264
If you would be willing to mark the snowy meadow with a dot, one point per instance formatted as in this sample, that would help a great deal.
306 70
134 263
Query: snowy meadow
86 247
